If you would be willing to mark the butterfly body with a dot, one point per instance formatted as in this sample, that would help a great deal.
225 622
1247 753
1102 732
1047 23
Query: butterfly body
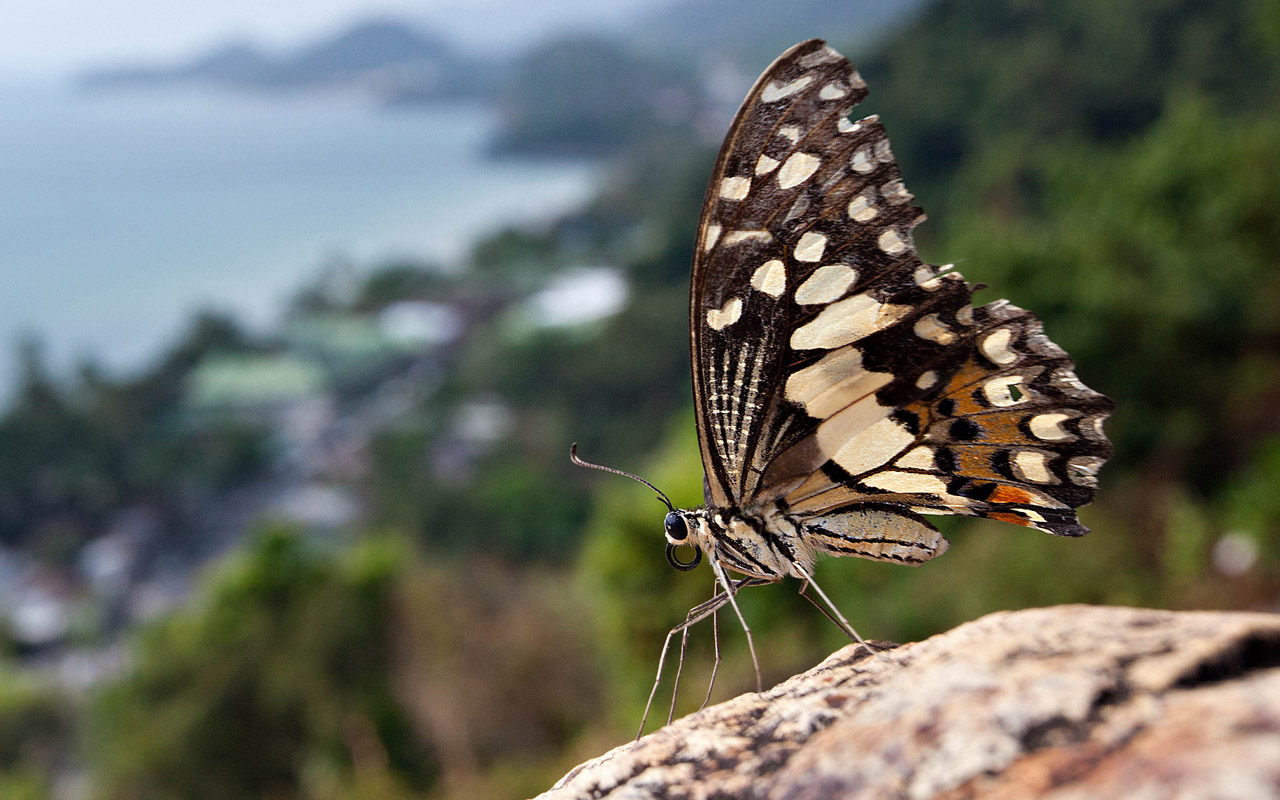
766 546
771 544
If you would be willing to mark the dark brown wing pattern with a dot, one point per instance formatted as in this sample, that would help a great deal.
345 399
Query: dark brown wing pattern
832 368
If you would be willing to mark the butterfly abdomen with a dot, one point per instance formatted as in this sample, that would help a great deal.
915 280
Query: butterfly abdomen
771 543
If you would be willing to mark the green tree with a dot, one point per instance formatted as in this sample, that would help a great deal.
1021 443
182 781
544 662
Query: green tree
37 735
275 684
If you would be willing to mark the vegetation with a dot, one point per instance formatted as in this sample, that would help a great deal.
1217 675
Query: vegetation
71 456
1115 167
618 98
277 680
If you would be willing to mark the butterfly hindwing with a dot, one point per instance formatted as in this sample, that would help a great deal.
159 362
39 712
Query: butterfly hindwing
877 532
1011 434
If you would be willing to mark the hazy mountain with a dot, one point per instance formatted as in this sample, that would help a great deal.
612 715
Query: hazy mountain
575 93
234 62
368 47
393 60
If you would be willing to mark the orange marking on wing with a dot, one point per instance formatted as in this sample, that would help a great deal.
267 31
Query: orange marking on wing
1000 516
1009 494
971 372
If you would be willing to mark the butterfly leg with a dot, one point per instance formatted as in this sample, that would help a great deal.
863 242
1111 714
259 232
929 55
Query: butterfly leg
715 665
715 637
675 684
731 590
684 640
829 610
852 634
695 615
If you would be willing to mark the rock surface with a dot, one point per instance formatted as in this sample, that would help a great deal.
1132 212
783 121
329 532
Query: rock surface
1065 702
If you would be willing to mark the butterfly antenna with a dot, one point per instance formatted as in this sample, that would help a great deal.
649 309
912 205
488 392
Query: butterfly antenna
573 456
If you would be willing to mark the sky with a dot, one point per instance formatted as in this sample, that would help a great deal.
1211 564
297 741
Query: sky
51 38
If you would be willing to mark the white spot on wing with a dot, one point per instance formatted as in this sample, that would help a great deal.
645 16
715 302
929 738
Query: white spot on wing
1049 427
1068 377
720 318
929 327
846 125
834 382
858 446
765 165
770 278
933 284
823 55
713 234
862 207
927 379
846 321
917 458
735 188
826 284
1083 470
790 132
895 192
1000 391
797 169
776 91
833 91
996 346
907 483
810 247
1033 466
892 242
861 159
738 237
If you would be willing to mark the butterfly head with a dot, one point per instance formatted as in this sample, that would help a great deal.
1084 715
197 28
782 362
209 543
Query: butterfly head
680 526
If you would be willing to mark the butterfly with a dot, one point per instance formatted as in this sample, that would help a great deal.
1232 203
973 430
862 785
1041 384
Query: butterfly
843 388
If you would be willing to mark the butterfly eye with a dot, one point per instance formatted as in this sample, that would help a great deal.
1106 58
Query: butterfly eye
677 530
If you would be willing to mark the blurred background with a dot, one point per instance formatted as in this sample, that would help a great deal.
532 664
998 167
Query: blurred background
303 302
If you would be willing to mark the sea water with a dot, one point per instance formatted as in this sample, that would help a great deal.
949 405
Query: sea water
121 214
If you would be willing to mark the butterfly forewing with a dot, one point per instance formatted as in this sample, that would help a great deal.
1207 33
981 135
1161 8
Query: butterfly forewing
837 375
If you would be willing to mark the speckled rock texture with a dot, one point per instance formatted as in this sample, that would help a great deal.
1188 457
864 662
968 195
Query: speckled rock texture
1065 702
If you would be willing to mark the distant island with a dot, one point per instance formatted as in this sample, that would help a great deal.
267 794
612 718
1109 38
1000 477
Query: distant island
394 62
675 68
577 95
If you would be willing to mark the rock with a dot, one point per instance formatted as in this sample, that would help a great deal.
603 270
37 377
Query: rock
1065 702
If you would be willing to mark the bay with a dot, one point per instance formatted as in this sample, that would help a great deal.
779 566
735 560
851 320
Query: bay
122 214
